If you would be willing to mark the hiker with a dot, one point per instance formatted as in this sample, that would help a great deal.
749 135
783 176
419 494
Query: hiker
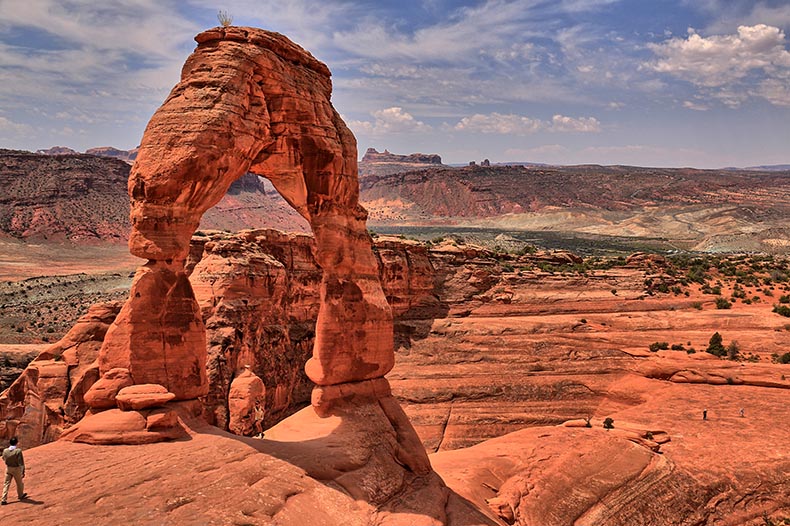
704 414
14 469
742 413
258 422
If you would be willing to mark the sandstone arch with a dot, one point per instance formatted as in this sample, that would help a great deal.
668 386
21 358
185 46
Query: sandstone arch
248 100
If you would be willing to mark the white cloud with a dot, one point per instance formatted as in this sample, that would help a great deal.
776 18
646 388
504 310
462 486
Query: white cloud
695 106
9 128
499 123
561 123
84 62
729 68
510 124
722 59
390 121
775 91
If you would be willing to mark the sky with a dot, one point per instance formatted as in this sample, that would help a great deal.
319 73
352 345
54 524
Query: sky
703 83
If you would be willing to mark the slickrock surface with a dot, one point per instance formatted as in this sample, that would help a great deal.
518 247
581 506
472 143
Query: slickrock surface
530 347
727 470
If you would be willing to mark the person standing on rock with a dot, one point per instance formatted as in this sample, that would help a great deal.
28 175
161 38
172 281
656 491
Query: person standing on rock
704 414
14 469
258 415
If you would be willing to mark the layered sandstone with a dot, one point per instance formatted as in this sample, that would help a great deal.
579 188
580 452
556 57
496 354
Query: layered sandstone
49 395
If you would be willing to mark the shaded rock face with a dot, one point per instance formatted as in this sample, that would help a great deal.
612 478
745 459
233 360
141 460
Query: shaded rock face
259 297
251 101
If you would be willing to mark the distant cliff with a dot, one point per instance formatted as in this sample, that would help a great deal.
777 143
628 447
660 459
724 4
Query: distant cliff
385 163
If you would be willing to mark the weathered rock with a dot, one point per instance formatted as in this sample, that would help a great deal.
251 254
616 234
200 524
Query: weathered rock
245 404
117 426
258 293
274 118
159 335
102 394
143 396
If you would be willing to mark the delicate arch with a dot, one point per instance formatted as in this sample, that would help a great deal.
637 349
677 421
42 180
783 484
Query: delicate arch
248 100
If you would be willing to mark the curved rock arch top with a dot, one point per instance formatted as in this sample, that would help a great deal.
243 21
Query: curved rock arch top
248 100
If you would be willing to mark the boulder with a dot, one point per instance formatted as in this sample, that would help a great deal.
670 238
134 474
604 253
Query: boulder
143 396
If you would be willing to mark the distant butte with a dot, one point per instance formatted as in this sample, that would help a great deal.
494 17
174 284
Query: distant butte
374 156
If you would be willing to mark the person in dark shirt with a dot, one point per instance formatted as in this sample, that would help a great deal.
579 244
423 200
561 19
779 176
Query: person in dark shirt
14 469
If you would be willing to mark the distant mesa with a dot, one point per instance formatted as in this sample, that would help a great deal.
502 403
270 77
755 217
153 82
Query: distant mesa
102 151
374 156
108 151
58 150
386 163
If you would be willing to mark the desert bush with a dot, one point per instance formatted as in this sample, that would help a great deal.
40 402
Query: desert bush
677 347
608 423
782 310
722 303
224 18
697 305
715 346
784 298
658 346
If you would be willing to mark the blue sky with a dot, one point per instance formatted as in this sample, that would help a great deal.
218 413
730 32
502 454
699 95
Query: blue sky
702 83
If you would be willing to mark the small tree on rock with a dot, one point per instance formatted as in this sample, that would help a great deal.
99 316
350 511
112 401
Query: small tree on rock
608 423
715 346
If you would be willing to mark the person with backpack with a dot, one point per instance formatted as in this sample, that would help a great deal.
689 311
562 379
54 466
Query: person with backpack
14 469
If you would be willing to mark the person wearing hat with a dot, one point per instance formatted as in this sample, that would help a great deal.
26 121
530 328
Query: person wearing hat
14 469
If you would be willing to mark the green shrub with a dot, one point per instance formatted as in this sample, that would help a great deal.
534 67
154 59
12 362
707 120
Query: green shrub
722 303
608 423
658 346
715 346
782 310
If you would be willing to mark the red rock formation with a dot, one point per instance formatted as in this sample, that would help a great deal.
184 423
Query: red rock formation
49 395
252 101
273 118
245 400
